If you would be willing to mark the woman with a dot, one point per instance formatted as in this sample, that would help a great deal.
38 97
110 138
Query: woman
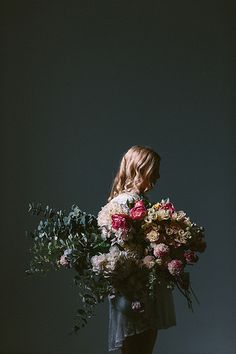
133 326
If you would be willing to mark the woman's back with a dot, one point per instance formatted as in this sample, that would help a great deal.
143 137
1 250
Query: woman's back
158 312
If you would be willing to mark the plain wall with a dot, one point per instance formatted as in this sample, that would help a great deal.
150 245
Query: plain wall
83 81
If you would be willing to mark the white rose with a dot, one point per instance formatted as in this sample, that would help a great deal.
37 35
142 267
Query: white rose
163 214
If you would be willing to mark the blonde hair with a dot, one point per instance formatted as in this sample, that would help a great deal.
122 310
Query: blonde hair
138 166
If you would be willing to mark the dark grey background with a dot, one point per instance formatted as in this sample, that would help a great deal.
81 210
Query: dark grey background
83 81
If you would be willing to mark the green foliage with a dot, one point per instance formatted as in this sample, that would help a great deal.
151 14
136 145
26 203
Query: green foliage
69 241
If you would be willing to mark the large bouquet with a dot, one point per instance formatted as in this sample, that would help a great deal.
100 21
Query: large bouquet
128 249
150 243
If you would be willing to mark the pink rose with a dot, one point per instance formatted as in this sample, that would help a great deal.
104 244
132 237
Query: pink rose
190 256
161 250
138 211
175 267
168 206
120 221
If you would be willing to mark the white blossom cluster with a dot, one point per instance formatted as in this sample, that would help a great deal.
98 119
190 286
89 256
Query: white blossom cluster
106 263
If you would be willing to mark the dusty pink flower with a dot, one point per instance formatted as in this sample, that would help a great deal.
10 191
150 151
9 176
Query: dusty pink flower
175 267
138 211
190 256
120 221
149 261
161 250
168 206
63 261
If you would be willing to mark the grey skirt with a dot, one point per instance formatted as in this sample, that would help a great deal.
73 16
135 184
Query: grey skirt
123 321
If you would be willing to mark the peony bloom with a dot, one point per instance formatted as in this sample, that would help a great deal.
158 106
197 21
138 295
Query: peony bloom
167 205
175 267
99 262
190 256
63 261
161 250
120 221
149 261
139 211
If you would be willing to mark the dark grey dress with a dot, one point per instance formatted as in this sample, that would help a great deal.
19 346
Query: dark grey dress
159 312
123 321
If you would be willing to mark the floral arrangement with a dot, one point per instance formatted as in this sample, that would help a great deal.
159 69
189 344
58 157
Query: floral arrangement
154 240
128 248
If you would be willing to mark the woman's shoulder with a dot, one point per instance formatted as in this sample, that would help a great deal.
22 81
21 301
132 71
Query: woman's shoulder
123 197
118 204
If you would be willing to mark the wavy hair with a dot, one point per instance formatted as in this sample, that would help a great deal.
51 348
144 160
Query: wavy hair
137 171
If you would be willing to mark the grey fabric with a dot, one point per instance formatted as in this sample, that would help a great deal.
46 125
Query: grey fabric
158 312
